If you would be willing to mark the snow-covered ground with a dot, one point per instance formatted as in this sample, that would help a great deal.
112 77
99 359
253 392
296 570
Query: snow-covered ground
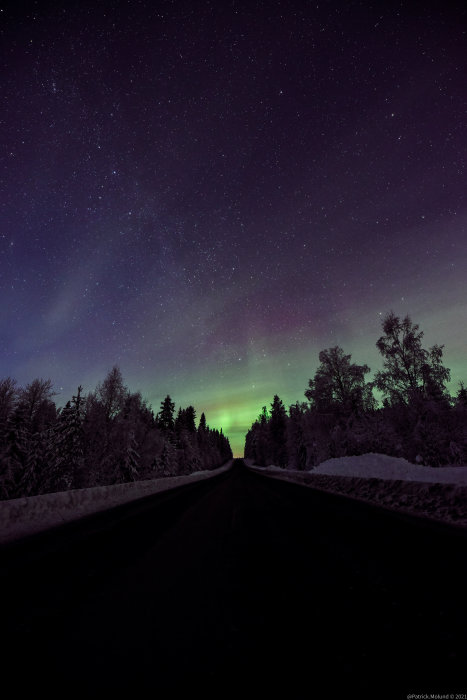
391 482
25 516
378 466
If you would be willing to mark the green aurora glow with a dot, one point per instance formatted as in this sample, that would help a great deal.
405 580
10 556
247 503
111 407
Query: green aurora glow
233 398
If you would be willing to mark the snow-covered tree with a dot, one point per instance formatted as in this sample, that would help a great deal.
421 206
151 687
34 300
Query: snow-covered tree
8 398
277 432
166 463
257 443
36 400
111 393
40 475
338 383
128 468
409 371
66 456
296 441
15 452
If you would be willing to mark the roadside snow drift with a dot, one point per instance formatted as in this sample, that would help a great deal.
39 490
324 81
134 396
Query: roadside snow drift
377 466
25 516
391 482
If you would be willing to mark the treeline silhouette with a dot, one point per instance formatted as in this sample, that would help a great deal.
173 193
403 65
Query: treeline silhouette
109 436
418 418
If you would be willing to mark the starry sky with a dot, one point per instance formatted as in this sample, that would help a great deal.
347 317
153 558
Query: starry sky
209 193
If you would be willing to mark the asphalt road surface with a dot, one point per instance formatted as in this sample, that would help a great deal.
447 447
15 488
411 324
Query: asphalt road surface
239 586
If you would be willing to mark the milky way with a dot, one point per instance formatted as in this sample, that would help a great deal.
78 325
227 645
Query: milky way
208 194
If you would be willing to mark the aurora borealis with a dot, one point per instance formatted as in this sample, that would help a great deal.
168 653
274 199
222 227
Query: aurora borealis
208 194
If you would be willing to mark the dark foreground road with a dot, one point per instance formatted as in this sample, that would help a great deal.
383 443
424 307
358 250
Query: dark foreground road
238 587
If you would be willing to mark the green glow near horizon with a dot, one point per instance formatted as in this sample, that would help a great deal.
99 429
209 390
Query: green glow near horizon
231 389
232 396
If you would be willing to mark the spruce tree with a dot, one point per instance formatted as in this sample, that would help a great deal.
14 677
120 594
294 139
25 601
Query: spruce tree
166 414
190 415
16 451
168 460
66 463
130 465
202 424
277 432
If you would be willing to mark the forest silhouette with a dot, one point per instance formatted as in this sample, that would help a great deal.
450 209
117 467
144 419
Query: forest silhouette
112 435
418 419
109 436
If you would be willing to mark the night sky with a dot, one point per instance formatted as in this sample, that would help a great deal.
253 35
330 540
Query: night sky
209 193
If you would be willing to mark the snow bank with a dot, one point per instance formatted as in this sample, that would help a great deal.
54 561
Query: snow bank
25 516
377 466
391 482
